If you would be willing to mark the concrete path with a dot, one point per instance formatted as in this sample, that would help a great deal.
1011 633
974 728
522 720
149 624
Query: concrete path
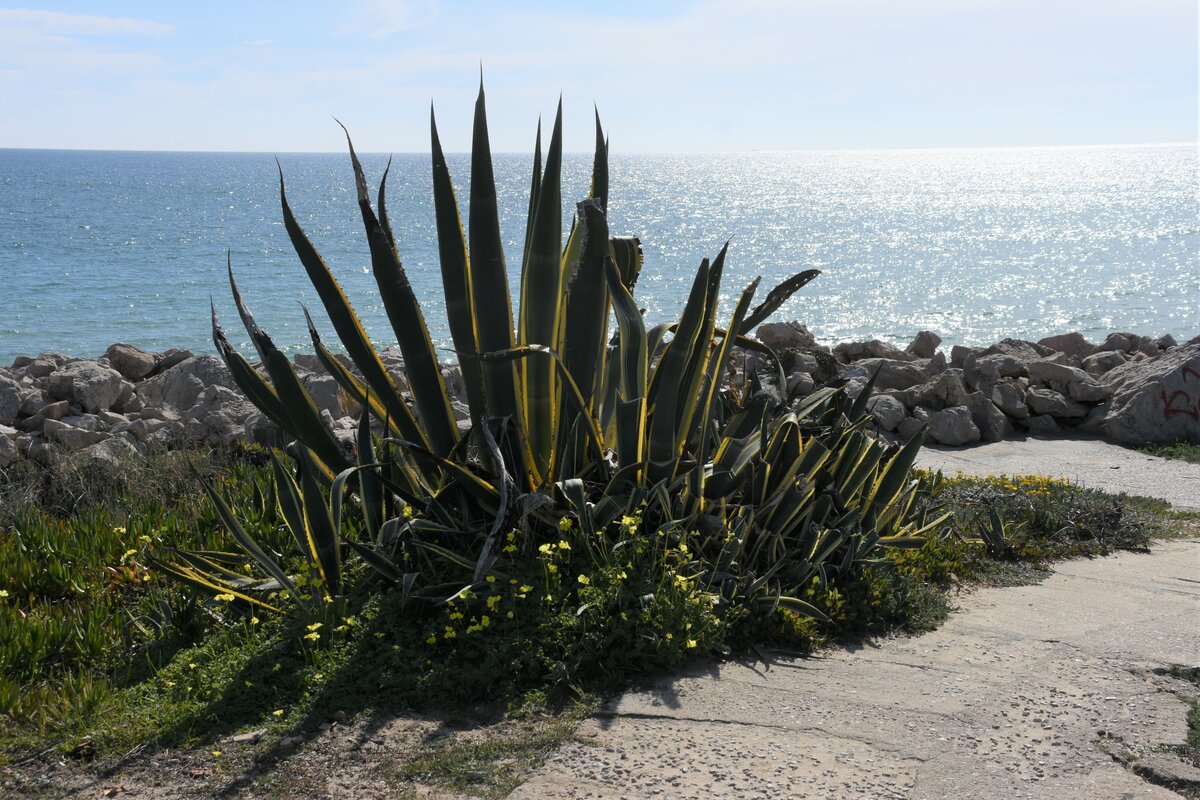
1091 462
1028 692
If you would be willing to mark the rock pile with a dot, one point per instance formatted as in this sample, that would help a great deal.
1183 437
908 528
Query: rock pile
130 401
1129 389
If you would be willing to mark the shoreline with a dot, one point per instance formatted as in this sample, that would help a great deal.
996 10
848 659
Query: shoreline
1127 389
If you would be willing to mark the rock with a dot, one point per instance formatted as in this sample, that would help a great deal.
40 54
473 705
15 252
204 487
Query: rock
92 386
21 361
909 428
1048 401
981 373
887 411
944 391
1166 342
846 352
1073 344
56 410
893 374
110 452
133 363
801 384
1117 342
1009 397
953 426
784 335
1019 349
10 400
44 364
993 425
181 386
1042 425
328 395
32 402
1069 381
937 364
8 451
172 358
959 353
1154 401
71 437
218 416
249 737
924 345
1100 363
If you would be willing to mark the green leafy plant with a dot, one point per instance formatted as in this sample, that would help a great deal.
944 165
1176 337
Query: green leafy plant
624 438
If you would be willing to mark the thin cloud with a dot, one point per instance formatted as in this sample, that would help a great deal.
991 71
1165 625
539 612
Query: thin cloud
259 43
382 18
57 23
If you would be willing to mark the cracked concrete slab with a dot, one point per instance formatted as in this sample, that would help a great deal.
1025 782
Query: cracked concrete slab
1092 463
1027 692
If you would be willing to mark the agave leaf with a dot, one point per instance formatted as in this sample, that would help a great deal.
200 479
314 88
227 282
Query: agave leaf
491 302
457 277
534 190
287 494
208 585
388 408
246 542
324 539
599 190
540 306
378 561
261 393
802 607
305 421
626 252
777 297
586 322
370 487
403 311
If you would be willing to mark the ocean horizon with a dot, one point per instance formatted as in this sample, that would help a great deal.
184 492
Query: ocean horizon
975 244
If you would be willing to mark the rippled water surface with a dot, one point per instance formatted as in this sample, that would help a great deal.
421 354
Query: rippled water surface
97 247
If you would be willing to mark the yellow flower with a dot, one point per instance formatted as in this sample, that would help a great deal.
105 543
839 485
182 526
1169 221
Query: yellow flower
316 626
432 639
170 684
584 579
254 620
485 621
216 753
565 524
510 548
144 539
224 598
493 601
509 615
312 636
127 554
563 544
490 579
450 633
192 665
118 529
544 548
249 684
277 712
526 589
553 568
3 593
691 643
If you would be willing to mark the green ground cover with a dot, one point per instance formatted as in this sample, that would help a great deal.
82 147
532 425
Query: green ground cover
100 654
1181 451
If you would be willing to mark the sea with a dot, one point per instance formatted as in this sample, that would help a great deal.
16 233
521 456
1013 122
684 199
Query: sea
976 245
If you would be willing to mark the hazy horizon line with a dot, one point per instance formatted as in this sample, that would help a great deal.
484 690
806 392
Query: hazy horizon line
922 148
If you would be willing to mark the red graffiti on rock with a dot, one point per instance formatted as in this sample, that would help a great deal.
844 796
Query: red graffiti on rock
1181 401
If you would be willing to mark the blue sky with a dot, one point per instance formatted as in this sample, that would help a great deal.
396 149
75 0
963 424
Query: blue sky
667 76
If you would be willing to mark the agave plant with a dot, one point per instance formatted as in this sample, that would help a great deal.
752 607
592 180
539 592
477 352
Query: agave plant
568 418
